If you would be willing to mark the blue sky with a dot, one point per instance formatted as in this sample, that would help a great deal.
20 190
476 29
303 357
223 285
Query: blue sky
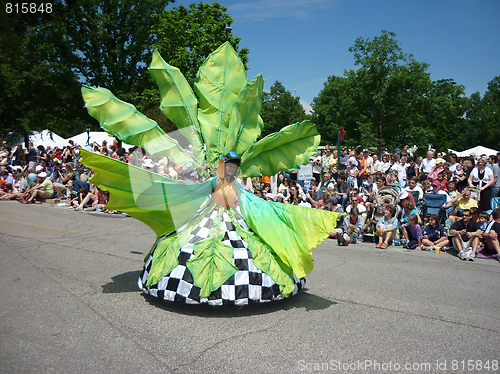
302 42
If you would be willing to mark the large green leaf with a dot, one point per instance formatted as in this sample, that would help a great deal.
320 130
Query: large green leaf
218 84
165 259
211 265
129 125
284 150
245 123
178 102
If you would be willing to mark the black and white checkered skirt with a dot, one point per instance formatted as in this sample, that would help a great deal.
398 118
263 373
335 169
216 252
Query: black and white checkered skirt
247 285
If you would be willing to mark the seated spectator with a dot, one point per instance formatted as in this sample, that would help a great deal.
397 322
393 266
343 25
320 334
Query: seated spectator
76 202
474 214
333 205
412 232
442 181
491 235
342 190
386 227
452 190
434 234
463 201
409 210
438 168
354 203
352 227
466 234
436 189
43 190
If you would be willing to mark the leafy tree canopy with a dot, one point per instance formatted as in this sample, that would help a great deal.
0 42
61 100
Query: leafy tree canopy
280 109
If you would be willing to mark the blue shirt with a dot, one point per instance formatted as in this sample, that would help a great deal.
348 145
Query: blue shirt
434 233
393 222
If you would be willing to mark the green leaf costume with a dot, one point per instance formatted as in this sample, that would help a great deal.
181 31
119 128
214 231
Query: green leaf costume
216 242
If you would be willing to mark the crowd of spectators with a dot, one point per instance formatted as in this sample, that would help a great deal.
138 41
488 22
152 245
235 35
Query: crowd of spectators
347 184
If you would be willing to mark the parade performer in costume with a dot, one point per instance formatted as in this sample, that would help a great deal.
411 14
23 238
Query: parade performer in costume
216 242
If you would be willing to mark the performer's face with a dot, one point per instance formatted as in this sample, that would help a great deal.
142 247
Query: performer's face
231 169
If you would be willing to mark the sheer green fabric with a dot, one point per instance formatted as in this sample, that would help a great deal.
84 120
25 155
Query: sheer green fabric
284 150
125 122
178 102
265 260
160 202
289 231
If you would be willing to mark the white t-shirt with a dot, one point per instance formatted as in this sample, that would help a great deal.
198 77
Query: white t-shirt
427 165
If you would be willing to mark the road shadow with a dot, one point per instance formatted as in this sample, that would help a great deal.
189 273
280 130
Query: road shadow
302 300
126 282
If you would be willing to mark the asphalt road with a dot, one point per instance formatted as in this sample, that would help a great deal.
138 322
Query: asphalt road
69 303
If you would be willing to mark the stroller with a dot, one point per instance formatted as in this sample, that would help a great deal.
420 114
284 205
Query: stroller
385 196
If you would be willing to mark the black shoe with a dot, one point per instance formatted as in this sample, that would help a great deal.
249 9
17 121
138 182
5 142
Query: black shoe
341 240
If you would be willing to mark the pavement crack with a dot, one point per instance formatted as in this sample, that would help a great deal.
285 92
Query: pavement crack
441 319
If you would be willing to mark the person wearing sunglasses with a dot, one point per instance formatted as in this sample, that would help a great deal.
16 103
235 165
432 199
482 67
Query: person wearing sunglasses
466 233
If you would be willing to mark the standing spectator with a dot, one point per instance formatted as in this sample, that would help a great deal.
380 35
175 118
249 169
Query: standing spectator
344 157
453 162
482 178
32 157
428 163
316 166
376 166
412 169
466 234
496 174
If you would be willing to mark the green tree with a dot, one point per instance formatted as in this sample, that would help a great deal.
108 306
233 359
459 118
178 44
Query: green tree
389 101
490 114
37 91
279 109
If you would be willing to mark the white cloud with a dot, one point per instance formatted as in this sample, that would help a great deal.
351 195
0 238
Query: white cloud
261 10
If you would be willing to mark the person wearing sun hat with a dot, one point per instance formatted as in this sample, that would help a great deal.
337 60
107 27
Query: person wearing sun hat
44 189
438 168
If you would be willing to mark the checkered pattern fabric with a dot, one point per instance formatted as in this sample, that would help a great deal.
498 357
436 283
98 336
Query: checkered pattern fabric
247 285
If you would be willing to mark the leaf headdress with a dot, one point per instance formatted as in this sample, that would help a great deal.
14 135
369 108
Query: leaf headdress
223 116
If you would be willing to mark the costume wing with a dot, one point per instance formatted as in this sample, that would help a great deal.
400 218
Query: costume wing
290 231
129 125
284 150
178 102
160 202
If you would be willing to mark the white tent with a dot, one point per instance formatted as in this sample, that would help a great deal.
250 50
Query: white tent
95 136
46 138
478 151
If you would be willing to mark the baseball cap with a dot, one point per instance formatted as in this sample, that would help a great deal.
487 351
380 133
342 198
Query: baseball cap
436 183
43 174
439 160
38 168
333 200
